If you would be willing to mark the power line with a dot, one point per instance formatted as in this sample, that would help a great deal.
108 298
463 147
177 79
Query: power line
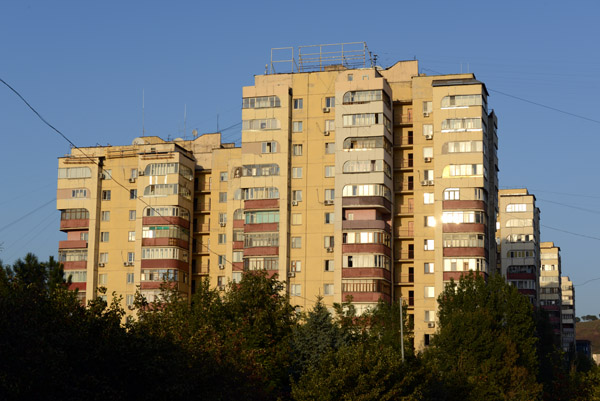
26 215
570 232
571 206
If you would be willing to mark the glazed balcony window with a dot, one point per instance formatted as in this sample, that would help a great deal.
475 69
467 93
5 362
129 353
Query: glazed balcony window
252 240
74 214
366 237
366 261
260 170
464 240
76 276
367 166
72 256
462 124
260 102
519 223
365 286
161 275
165 253
366 119
367 96
167 211
464 170
261 124
260 193
74 172
262 217
165 232
261 263
463 147
367 190
458 217
464 264
460 101
161 169
367 142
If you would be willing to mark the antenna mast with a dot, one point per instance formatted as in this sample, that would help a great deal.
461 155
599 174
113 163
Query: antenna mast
143 114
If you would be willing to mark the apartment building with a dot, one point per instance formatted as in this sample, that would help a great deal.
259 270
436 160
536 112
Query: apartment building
567 313
550 285
351 182
518 238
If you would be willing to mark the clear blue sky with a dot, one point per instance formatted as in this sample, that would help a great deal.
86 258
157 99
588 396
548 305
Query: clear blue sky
83 65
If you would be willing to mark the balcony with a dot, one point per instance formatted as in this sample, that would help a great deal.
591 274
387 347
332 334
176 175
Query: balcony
74 224
403 119
366 272
359 224
404 186
261 227
72 244
166 242
404 255
403 164
202 228
366 248
404 233
202 188
161 220
410 209
202 208
378 202
404 141
261 204
405 278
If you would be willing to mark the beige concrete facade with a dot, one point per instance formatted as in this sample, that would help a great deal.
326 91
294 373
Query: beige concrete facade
567 313
369 183
518 237
550 285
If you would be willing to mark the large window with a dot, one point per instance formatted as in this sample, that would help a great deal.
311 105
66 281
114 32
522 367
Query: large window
155 169
252 240
74 214
463 147
367 142
161 190
76 276
460 240
260 193
167 211
366 261
260 263
464 264
262 217
162 275
365 119
165 232
516 207
462 101
366 97
463 217
72 256
461 124
74 172
367 190
259 170
260 102
519 223
464 170
366 237
165 253
365 285
261 124
367 166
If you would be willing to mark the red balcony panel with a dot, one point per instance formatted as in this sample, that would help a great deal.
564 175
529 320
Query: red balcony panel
366 248
463 228
74 224
367 201
238 223
238 244
78 286
450 252
375 272
527 292
165 242
372 224
521 276
72 244
150 285
79 265
165 264
237 266
457 275
261 251
165 220
366 296
551 307
261 227
463 204
262 204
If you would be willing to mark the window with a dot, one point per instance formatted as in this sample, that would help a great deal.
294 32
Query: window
429 221
427 153
237 256
428 245
329 125
296 290
103 257
298 104
464 170
222 238
328 241
459 216
428 130
221 282
79 193
330 195
516 207
167 211
261 217
370 142
297 195
269 147
329 171
155 190
260 170
297 150
132 214
296 242
131 236
350 77
296 219
222 197
465 264
428 175
253 240
430 316
165 253
74 172
463 147
365 120
236 277
261 263
297 126
328 289
102 279
460 240
261 124
329 265
296 266
260 102
329 218
366 166
428 198
130 278
429 269
367 190
366 237
461 124
130 257
106 195
366 96
427 108
260 193
429 292
364 260
451 194
458 101
105 215
296 172
330 101
84 236
104 236
221 260
133 194
329 148
223 176
130 299
519 223
134 173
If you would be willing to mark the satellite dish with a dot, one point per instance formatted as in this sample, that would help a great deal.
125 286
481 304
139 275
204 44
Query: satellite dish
177 139
138 141
195 133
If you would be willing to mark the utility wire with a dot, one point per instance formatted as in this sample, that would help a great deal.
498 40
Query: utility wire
573 207
26 215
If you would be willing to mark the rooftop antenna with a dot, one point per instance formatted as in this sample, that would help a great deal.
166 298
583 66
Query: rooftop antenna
375 60
143 114
195 133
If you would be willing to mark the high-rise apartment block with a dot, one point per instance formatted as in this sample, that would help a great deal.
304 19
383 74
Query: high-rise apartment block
567 313
518 236
550 285
351 182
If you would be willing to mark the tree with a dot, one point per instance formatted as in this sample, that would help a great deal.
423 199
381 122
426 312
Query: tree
485 347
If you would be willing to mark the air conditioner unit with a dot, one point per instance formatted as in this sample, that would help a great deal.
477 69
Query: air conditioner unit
330 250
430 182
221 267
428 160
326 109
222 224
294 203
425 114
130 307
132 180
100 264
429 136
326 133
431 325
328 201
141 172
291 274
425 182
125 263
